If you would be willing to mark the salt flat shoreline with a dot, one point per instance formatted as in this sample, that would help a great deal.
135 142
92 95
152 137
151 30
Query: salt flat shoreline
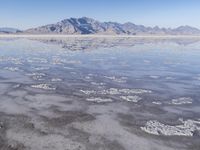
98 36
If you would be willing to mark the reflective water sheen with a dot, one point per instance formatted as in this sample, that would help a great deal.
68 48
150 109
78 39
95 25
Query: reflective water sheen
99 93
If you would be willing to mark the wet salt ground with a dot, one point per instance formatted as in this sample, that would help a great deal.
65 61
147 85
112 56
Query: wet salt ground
98 98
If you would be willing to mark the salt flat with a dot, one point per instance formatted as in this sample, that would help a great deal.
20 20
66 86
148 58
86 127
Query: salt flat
99 92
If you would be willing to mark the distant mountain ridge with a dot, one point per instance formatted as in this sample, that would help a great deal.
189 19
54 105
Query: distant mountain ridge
9 30
87 25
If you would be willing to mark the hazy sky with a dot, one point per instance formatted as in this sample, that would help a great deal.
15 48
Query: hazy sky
24 14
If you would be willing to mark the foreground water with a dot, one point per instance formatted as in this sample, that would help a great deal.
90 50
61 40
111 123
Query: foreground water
99 94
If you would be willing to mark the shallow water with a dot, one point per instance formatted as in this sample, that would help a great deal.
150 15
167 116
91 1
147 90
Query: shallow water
98 92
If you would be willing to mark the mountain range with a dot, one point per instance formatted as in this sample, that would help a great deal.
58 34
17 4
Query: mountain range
9 30
87 25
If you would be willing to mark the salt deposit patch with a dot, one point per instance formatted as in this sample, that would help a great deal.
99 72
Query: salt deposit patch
154 77
134 98
169 78
43 86
114 91
157 103
134 91
181 100
37 76
37 60
147 61
13 69
41 68
16 86
115 79
56 80
88 77
88 92
99 100
187 128
98 84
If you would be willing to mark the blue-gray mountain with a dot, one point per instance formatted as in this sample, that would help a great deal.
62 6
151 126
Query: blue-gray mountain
9 30
86 25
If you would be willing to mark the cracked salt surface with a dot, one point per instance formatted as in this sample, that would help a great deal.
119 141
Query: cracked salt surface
187 128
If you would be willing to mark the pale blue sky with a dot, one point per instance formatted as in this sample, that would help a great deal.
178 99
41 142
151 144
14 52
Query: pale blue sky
24 14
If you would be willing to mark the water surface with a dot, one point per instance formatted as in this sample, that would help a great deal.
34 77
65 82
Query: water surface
99 93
